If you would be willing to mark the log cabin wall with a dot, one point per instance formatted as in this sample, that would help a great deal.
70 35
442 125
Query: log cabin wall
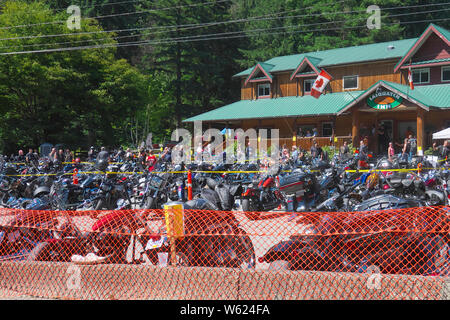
368 74
435 75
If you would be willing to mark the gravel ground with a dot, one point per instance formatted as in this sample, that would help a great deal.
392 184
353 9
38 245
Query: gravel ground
6 294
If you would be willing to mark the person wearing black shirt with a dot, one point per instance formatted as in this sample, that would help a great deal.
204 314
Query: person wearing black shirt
316 151
344 150
120 155
30 156
91 154
20 157
363 150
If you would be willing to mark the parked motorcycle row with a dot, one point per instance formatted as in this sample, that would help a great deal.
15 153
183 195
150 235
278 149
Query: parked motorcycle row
123 234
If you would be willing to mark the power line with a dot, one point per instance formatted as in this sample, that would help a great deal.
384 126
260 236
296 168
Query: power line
189 39
224 33
203 24
121 14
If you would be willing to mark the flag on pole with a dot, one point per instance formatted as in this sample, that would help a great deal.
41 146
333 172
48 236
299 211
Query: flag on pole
410 79
319 85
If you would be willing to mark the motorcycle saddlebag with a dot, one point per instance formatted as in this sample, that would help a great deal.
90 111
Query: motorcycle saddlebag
226 200
212 198
292 183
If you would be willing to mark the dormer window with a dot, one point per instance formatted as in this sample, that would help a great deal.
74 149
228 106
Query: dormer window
307 85
445 73
421 75
264 90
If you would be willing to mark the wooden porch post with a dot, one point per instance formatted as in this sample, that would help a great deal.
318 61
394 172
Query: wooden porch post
420 128
355 128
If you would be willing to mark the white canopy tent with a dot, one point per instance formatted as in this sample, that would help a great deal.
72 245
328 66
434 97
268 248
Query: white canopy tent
444 134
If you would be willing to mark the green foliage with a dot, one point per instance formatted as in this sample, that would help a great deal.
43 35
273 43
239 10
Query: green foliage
116 96
79 98
428 152
331 151
291 27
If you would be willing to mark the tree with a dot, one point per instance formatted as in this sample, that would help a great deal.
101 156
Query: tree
197 73
283 27
79 97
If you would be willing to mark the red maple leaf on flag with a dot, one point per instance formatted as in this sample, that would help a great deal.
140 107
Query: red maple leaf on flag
319 83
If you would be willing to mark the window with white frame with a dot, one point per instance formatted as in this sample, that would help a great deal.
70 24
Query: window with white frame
264 90
421 75
350 82
445 73
307 85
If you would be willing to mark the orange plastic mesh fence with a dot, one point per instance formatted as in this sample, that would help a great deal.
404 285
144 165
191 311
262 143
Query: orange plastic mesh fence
128 254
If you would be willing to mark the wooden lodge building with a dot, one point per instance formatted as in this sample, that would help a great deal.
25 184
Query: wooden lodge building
369 87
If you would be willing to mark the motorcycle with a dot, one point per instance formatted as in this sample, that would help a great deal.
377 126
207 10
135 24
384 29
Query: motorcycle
37 236
354 242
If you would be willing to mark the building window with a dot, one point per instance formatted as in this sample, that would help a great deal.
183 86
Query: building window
445 74
327 129
421 75
264 90
350 82
305 130
307 85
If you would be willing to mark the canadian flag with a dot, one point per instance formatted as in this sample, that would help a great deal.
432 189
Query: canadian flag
410 79
319 85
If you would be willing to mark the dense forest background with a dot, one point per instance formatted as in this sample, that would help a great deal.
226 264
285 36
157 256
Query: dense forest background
141 66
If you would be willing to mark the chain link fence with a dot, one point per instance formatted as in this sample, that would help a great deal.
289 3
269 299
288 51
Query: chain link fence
215 255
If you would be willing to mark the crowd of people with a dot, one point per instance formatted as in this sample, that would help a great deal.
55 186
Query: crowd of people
58 156
148 158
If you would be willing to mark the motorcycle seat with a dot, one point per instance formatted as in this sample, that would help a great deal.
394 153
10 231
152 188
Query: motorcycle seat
407 182
396 182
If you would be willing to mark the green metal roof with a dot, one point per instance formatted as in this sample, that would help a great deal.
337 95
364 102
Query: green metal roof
430 61
429 96
443 31
355 54
332 103
439 94
279 107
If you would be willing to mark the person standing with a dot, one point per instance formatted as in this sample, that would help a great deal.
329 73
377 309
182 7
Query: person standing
91 154
381 139
294 154
412 146
52 154
344 150
68 156
315 132
20 157
405 150
151 162
445 151
316 151
30 157
391 151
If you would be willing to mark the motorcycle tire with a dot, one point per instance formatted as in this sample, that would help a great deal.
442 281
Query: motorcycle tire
99 205
246 250
150 203
434 256
249 210
45 251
